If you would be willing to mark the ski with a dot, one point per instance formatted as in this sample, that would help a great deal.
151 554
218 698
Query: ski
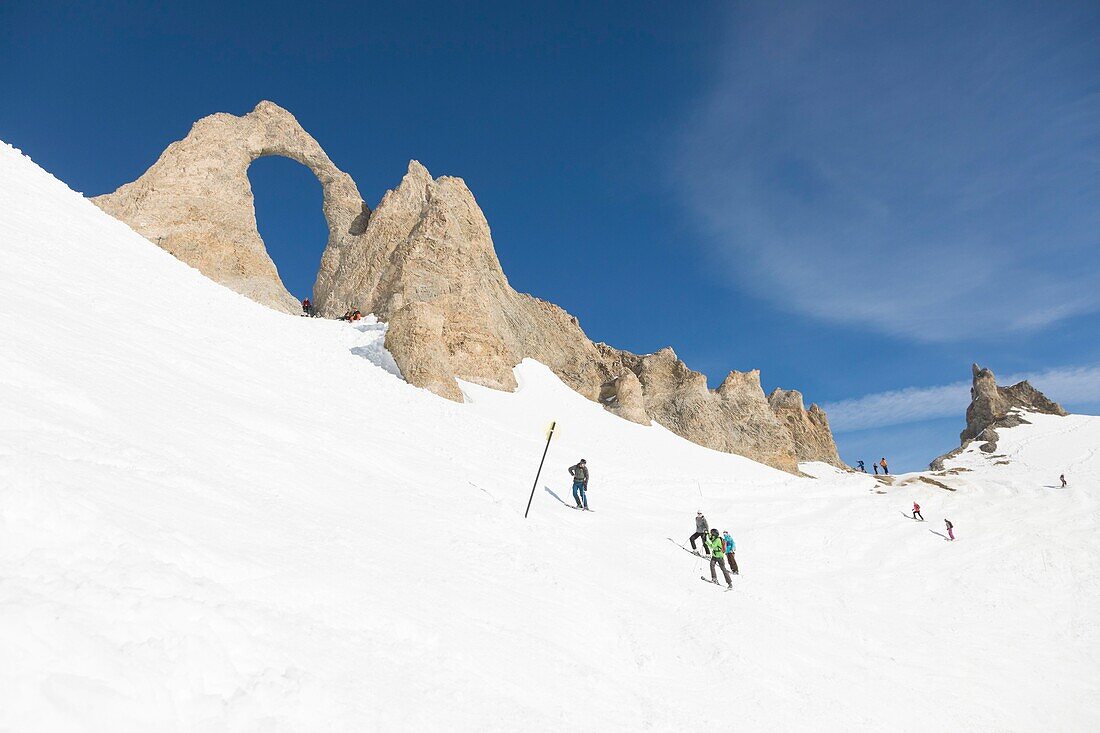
712 582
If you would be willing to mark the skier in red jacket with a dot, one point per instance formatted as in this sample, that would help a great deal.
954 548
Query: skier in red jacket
916 512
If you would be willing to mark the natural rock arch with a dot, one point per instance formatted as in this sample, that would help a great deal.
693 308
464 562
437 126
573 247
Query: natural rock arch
424 261
196 200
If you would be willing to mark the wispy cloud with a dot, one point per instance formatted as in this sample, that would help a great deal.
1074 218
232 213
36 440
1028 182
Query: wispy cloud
930 170
1069 385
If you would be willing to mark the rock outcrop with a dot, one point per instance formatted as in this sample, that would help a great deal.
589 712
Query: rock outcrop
428 241
424 262
625 397
196 200
415 339
993 407
813 440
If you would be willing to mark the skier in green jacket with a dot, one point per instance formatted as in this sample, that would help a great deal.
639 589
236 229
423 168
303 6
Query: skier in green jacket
717 547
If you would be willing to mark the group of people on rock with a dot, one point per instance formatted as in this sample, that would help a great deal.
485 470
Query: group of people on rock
947 522
876 466
310 312
720 547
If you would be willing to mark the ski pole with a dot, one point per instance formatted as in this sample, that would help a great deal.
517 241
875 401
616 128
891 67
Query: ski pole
549 435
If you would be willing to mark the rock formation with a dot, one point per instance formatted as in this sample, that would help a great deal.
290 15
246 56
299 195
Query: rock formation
625 397
993 407
424 262
813 440
428 242
196 200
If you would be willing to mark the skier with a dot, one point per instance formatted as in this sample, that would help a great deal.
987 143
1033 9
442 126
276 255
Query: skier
307 308
579 472
885 470
875 467
1062 478
950 529
701 530
717 554
730 547
916 511
862 469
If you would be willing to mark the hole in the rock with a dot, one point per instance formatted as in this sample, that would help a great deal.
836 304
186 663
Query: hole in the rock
290 220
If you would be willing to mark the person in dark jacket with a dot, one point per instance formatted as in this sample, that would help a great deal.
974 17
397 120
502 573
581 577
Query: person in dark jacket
307 308
579 472
702 530
874 466
1062 478
861 467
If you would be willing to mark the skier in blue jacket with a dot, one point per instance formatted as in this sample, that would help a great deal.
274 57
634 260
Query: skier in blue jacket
730 547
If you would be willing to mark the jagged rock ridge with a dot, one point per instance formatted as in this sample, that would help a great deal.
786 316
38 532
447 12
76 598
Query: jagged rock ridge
993 407
426 264
424 261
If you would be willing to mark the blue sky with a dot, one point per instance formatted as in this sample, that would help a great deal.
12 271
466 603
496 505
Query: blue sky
857 198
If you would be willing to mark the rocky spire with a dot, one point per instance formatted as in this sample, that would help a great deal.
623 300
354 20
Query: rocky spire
993 407
813 440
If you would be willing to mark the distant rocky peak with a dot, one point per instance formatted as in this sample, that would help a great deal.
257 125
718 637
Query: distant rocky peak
992 407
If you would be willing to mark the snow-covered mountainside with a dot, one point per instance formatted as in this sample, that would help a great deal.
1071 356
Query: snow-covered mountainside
217 517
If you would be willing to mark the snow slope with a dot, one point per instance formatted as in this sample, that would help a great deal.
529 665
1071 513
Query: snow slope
216 517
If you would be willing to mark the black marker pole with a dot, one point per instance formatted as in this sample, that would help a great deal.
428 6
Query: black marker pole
549 435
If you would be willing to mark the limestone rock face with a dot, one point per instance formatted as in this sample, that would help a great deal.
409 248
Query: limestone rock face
991 407
424 261
428 242
813 440
624 396
196 200
415 339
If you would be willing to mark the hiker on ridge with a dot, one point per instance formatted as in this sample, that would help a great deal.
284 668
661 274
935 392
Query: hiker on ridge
861 467
717 549
875 467
701 531
579 472
885 470
307 308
